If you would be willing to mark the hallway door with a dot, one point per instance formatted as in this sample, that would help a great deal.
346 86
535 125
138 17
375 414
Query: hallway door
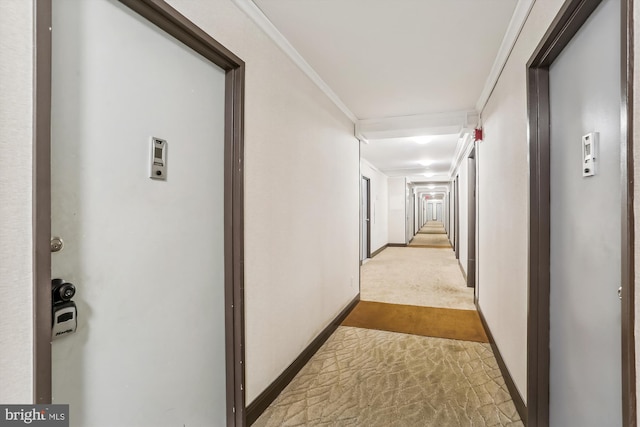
439 212
471 215
147 256
365 209
585 346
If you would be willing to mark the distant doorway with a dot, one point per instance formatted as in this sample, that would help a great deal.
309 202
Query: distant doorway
365 209
471 261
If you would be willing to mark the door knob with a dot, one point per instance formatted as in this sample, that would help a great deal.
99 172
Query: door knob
620 292
56 244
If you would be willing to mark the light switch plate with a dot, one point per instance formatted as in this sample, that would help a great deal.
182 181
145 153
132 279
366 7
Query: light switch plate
589 154
158 168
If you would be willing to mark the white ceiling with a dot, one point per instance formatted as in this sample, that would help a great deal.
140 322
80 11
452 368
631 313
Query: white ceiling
406 156
386 59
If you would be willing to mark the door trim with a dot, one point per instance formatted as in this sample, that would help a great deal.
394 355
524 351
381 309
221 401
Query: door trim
172 22
472 206
570 18
368 213
456 215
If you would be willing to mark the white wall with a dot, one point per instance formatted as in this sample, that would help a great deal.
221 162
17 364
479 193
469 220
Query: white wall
397 205
504 200
16 51
379 205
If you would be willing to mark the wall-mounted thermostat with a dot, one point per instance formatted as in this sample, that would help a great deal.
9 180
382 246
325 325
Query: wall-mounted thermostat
589 153
158 159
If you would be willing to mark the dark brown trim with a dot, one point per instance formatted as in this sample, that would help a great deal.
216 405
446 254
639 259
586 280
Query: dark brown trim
41 205
456 214
262 402
506 375
396 245
471 234
539 238
379 250
234 246
629 404
368 217
570 18
175 24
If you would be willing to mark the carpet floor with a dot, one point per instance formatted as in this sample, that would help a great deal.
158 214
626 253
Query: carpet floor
416 276
370 378
424 321
439 240
433 227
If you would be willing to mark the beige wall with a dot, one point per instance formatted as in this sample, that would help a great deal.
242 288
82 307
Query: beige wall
16 89
504 200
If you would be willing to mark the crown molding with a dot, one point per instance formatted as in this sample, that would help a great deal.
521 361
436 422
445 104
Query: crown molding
518 19
416 125
261 20
370 165
465 145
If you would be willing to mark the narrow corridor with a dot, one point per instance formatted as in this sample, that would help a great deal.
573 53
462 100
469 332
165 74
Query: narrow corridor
369 377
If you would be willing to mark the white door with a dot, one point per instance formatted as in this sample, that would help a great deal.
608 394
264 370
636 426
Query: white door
585 355
146 256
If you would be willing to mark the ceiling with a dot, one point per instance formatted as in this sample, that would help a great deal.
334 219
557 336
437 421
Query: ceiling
401 69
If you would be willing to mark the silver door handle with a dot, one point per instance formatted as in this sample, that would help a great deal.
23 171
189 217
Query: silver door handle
620 292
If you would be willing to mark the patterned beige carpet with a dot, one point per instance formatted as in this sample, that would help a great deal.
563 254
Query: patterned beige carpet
369 378
416 276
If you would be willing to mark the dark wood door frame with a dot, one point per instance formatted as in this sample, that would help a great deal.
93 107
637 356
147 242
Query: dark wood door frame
456 217
172 22
471 203
567 23
368 215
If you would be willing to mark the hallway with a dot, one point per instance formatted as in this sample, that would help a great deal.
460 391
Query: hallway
424 276
368 377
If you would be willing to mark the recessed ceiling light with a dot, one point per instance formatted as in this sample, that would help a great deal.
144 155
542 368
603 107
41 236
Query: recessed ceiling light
431 187
422 139
428 175
425 162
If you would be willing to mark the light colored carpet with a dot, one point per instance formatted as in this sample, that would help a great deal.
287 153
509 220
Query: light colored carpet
416 276
432 231
431 239
369 378
433 227
410 319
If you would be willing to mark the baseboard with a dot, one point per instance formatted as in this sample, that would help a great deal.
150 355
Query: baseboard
513 390
379 250
463 272
262 402
397 245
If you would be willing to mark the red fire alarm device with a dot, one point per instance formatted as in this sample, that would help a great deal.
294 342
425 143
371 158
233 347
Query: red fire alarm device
478 135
